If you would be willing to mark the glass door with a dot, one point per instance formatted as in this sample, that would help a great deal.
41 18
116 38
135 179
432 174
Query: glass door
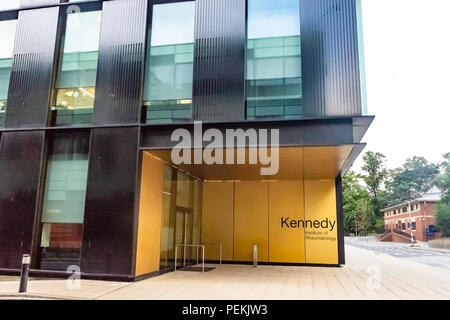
183 236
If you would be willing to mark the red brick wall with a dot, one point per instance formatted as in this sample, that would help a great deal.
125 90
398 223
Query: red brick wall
421 223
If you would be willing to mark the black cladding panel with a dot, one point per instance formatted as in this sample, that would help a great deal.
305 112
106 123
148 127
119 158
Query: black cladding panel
120 75
32 69
110 202
21 156
219 61
330 58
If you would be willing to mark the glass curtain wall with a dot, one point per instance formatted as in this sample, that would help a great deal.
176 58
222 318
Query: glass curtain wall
168 219
273 76
170 59
64 201
7 36
77 74
181 217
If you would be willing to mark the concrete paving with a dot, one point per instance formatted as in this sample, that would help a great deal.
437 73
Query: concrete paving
420 253
367 275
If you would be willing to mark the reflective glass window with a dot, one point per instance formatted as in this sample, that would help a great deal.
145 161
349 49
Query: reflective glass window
75 84
181 218
64 200
7 34
170 58
273 76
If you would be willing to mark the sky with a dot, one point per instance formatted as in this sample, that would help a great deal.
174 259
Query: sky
407 51
7 34
173 23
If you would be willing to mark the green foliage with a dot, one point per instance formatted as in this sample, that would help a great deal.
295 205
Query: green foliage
443 218
376 172
444 179
414 178
363 204
356 202
443 208
379 226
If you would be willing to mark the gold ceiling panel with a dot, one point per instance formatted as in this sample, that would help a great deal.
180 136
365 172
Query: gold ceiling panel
294 163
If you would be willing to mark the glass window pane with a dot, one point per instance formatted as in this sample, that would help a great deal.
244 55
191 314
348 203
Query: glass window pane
170 56
64 200
77 74
273 73
7 34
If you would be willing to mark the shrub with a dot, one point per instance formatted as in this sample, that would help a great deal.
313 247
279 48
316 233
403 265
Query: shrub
443 218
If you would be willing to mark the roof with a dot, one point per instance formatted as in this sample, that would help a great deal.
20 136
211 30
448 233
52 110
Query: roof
432 195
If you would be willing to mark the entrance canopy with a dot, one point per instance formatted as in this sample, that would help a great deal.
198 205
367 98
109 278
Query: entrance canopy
294 163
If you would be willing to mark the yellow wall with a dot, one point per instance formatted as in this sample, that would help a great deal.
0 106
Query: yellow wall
217 218
256 218
150 209
320 203
286 200
251 220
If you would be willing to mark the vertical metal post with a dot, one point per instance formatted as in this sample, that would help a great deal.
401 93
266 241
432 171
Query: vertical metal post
176 257
220 246
203 259
425 220
255 255
410 224
185 239
24 273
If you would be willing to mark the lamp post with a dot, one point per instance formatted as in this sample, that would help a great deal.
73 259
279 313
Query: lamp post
410 223
425 219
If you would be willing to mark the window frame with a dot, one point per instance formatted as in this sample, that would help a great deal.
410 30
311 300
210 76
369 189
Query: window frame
85 6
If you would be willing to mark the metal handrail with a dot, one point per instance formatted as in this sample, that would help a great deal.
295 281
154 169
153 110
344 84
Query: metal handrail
203 252
191 245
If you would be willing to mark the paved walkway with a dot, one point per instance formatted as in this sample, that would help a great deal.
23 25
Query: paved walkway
420 253
367 275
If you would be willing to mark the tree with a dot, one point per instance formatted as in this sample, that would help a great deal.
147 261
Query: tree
365 217
414 178
355 200
443 180
443 218
374 177
374 166
443 207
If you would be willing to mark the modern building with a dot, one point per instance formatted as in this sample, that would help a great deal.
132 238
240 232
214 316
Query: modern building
416 216
93 92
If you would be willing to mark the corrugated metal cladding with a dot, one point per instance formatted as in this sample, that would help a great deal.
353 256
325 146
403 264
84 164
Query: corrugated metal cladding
31 76
20 168
219 62
118 96
330 58
35 3
108 230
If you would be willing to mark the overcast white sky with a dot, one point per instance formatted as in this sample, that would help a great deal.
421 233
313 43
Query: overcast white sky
407 46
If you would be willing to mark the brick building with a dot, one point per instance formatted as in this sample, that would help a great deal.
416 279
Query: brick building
417 214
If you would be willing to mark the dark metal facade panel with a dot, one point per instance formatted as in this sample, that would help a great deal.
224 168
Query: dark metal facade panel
25 4
219 61
330 58
21 156
320 132
32 69
340 220
120 73
108 232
